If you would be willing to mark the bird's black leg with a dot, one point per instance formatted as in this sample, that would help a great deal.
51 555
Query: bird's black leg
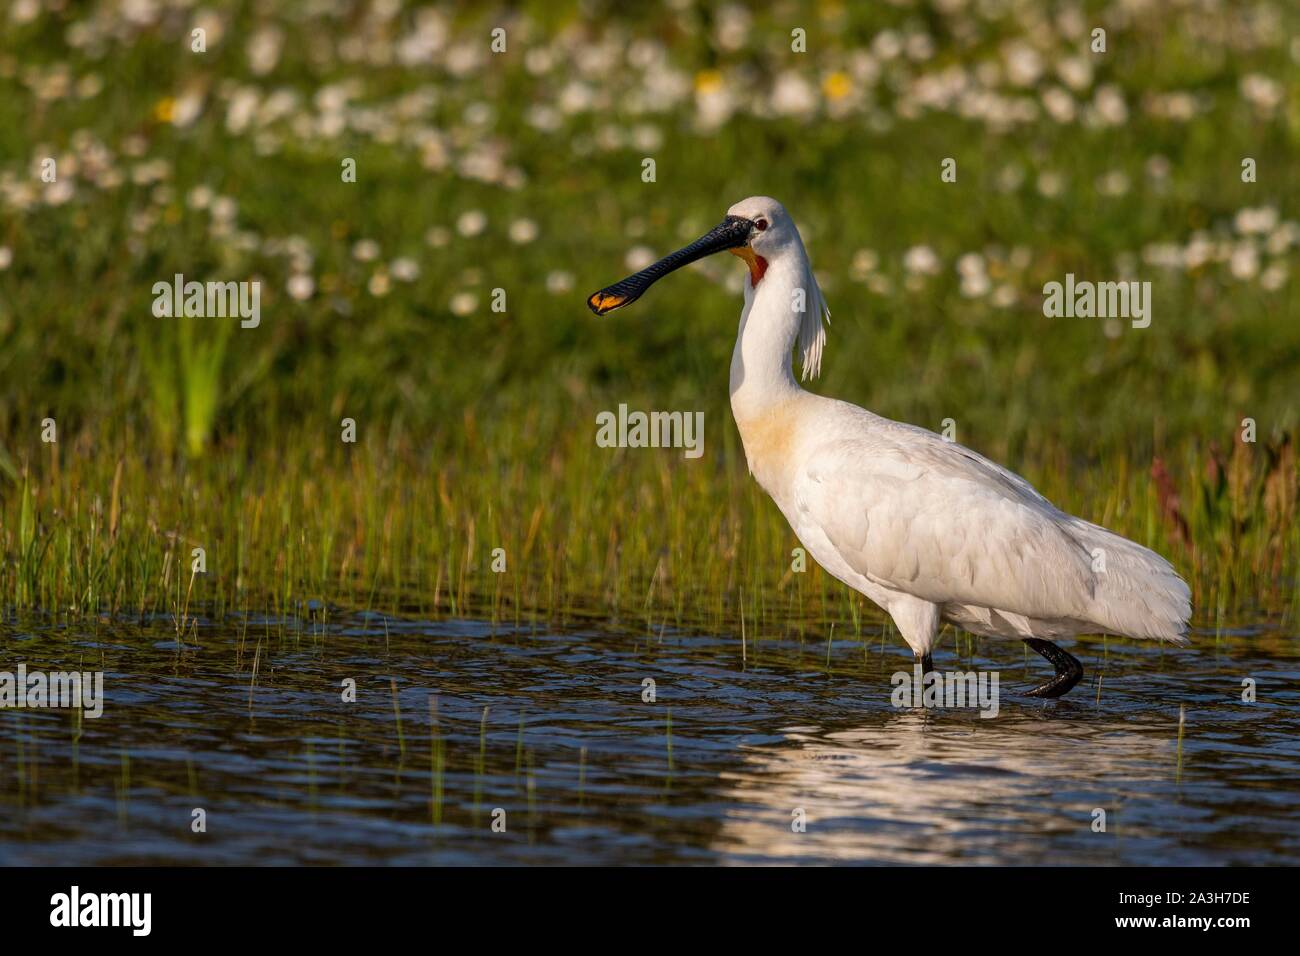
1068 669
927 665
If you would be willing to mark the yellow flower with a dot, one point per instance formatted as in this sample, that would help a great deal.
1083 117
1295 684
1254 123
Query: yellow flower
164 110
707 81
837 85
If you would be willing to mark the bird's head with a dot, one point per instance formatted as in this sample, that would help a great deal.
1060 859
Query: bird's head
761 232
755 229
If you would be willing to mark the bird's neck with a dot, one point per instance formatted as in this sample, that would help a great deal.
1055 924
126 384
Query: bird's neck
769 325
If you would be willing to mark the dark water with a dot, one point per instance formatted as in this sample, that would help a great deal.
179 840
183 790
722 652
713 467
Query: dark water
287 772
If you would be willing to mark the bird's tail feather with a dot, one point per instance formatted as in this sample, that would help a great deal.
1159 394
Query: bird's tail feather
1139 594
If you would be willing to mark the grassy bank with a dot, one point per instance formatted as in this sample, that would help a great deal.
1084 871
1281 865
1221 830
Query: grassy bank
633 535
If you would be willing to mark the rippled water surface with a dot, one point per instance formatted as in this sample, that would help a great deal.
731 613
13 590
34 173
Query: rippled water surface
459 723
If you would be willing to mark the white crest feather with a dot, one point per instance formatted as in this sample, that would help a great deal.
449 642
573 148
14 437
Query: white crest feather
812 333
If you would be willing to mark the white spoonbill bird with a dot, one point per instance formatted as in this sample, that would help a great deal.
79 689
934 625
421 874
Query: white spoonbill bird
925 528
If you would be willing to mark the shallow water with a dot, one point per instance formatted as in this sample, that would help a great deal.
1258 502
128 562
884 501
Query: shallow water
587 772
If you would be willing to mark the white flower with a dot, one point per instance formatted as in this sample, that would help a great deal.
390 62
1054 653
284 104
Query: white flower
539 60
793 95
1163 255
714 102
647 137
58 192
463 303
1198 251
188 107
733 23
559 282
1244 263
6 257
365 250
544 117
1059 104
379 284
1024 65
523 231
887 45
864 263
971 264
1075 72
264 50
576 97
1260 90
1250 222
471 223
921 260
405 269
1050 184
224 209
24 11
920 46
974 286
242 109
1109 104
301 286
1287 234
140 11
1004 296
1274 277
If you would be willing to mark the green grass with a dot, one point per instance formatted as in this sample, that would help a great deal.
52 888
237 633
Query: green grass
634 536
476 431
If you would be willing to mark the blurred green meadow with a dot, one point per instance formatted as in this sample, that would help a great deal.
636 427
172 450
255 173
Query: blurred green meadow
522 171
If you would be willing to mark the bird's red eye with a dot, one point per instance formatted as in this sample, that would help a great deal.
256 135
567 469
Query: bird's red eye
761 224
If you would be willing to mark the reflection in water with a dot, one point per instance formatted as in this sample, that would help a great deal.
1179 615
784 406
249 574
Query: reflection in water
912 790
453 720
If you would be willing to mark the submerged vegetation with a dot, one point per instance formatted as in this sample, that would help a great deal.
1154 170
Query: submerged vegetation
523 171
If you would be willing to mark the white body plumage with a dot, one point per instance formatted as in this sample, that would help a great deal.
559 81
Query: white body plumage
924 527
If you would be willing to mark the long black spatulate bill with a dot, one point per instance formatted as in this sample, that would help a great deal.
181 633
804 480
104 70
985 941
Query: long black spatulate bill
731 233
